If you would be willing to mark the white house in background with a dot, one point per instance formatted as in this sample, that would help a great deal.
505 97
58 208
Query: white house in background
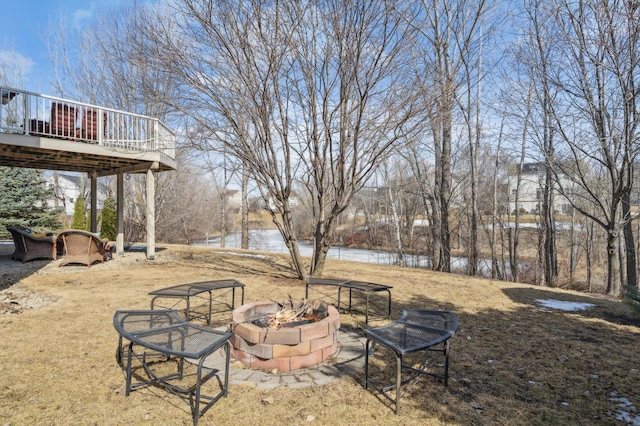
68 189
532 188
294 201
234 199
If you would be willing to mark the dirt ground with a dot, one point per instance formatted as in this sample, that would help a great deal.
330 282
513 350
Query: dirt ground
513 360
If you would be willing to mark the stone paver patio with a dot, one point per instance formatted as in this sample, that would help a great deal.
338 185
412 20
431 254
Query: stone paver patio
348 360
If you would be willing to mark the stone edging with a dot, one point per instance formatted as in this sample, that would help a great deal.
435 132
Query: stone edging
348 359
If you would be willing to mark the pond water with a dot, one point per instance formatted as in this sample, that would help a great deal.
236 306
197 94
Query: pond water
271 241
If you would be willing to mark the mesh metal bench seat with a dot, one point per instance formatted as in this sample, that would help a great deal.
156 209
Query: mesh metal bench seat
416 330
367 288
162 335
190 291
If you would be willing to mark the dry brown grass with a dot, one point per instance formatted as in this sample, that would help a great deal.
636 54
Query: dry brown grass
512 361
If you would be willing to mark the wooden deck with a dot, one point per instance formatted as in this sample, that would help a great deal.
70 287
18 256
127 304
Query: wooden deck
49 133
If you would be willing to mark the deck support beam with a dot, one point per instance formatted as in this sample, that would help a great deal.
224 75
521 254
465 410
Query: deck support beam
151 215
120 214
94 201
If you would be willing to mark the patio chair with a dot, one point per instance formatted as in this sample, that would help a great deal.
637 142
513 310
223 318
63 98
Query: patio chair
63 120
82 247
29 245
90 124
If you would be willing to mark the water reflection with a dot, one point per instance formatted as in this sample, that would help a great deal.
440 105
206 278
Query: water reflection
271 241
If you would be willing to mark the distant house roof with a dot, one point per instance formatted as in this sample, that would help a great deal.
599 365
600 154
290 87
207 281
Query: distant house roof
73 178
533 167
76 180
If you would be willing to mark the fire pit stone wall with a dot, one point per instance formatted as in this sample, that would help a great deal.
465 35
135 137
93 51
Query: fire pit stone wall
285 348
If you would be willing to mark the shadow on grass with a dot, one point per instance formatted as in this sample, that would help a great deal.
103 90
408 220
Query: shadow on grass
607 310
276 267
13 271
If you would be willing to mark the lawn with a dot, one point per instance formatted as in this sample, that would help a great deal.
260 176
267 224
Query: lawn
513 361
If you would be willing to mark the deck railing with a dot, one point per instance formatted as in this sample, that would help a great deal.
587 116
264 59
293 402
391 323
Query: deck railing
29 113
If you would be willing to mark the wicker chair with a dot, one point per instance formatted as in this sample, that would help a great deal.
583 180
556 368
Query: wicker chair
29 246
82 247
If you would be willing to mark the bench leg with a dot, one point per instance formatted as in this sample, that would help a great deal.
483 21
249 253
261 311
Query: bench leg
210 303
366 363
128 379
398 380
446 363
424 369
212 399
369 345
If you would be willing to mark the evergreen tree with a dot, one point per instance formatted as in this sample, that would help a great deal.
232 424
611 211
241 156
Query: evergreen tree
23 200
108 227
79 215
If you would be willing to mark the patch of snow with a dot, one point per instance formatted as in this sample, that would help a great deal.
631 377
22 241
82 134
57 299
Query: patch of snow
564 305
627 412
254 256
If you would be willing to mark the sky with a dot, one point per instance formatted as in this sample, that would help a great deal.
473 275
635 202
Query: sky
24 24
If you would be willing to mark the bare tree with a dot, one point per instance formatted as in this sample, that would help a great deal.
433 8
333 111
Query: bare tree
103 64
450 35
14 67
354 101
301 92
188 203
596 69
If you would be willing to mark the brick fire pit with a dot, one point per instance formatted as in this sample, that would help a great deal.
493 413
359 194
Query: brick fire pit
285 348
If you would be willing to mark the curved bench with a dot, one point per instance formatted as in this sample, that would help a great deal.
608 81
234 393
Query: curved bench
416 330
164 334
189 291
361 286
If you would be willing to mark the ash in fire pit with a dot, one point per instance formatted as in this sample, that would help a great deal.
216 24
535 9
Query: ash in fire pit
284 336
294 313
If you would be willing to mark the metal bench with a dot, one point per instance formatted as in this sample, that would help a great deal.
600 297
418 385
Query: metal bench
187 292
360 286
162 335
416 330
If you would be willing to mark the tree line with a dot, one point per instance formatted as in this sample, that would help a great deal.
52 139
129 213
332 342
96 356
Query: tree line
437 102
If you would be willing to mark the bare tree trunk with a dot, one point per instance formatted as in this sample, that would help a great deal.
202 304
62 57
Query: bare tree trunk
613 261
397 229
474 146
629 244
572 248
549 229
428 203
588 254
444 196
496 212
244 211
436 202
451 41
223 201
474 142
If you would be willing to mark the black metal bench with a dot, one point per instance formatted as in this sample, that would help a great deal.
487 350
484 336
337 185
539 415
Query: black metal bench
163 335
190 291
360 286
416 330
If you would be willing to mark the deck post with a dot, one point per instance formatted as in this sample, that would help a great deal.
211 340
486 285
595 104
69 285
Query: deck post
151 215
94 202
120 214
